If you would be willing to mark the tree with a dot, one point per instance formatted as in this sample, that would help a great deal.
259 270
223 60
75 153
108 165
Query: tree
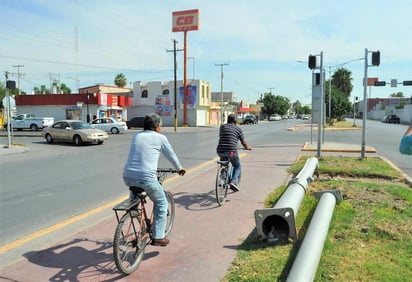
341 105
274 104
120 80
399 95
342 79
65 89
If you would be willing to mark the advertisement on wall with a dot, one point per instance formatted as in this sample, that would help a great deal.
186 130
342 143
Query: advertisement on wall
162 105
191 98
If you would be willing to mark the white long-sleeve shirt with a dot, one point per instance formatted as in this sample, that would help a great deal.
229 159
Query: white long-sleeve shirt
144 154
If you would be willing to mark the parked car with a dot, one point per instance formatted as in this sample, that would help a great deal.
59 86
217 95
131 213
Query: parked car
135 122
109 124
75 131
29 121
249 119
305 117
392 119
274 117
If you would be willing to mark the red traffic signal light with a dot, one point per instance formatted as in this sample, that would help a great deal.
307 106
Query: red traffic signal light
376 58
312 62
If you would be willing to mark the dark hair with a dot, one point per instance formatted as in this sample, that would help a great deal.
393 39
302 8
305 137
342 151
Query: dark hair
231 118
151 121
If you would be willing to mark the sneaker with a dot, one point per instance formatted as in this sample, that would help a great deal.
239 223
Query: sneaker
160 242
234 187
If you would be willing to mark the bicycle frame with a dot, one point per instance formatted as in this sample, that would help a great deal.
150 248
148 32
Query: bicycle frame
133 231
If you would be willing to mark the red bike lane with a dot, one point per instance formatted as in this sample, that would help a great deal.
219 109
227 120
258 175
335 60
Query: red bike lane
204 240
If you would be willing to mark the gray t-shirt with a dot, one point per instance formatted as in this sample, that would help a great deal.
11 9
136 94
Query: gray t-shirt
144 154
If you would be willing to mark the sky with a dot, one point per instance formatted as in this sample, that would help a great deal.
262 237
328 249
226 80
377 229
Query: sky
265 43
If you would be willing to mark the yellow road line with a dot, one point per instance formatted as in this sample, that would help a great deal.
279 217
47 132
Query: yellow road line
74 219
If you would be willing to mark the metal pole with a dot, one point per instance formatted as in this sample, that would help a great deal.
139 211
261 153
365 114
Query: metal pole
330 95
18 76
307 260
221 90
365 105
184 80
320 122
277 223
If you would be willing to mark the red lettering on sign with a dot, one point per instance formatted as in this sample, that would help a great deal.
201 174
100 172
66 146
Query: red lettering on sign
184 20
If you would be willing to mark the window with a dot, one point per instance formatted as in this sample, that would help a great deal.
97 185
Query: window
145 94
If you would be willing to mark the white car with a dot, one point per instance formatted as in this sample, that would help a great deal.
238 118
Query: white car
109 124
275 117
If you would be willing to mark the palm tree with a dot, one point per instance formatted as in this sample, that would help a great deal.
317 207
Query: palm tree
342 79
120 80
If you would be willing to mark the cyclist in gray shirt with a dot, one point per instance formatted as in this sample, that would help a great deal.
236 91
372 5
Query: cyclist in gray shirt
140 170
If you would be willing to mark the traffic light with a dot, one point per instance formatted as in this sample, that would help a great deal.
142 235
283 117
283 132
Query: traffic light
317 78
380 83
10 84
407 82
312 62
376 58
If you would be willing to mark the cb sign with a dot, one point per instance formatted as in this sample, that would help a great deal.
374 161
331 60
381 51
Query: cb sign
185 20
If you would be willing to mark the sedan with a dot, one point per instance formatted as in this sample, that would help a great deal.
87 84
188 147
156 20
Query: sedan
135 122
75 131
274 117
109 124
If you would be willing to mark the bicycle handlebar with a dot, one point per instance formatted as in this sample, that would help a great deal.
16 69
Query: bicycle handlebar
169 170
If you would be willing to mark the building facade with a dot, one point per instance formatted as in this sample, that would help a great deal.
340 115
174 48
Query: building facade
91 102
160 97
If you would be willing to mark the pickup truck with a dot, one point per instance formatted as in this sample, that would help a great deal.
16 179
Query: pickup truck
392 119
30 121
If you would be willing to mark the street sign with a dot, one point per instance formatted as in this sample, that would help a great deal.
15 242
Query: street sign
380 83
394 82
371 81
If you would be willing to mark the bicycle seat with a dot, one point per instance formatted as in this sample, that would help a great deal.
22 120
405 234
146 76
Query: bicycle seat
223 161
138 191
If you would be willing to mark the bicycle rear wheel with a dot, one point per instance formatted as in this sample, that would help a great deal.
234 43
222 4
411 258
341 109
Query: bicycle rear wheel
170 213
221 185
129 243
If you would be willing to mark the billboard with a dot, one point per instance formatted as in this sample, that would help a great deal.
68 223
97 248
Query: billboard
191 98
185 20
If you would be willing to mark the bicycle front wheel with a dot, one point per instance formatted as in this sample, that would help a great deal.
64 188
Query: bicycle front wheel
170 213
221 185
129 243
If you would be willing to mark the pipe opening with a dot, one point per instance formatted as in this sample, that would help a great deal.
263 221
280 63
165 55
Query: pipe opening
276 228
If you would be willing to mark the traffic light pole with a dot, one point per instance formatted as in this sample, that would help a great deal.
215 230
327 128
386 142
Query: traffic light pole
365 105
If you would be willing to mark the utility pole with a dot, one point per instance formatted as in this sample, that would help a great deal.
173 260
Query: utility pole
221 89
175 80
270 89
18 76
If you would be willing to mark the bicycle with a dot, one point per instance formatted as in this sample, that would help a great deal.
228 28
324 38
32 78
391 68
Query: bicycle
223 178
133 231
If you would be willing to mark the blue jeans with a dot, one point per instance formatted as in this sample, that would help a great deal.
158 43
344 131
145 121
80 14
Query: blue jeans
235 161
156 193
